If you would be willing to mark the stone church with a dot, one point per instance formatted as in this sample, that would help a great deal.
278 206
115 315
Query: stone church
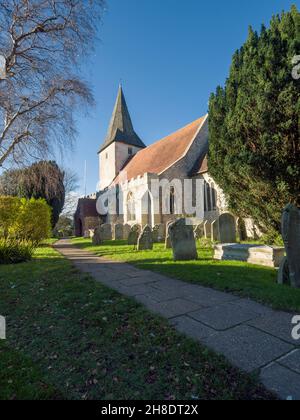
129 167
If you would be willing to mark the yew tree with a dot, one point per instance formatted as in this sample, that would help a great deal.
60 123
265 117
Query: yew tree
254 124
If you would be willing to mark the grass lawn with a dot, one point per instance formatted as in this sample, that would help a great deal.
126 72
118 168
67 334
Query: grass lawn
247 280
70 337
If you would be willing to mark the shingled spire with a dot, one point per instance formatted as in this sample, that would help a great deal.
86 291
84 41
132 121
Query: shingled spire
120 127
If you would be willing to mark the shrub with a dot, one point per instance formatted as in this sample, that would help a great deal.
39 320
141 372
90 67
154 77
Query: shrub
23 225
34 220
22 219
13 251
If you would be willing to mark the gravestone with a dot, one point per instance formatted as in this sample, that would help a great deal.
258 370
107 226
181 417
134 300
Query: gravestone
242 230
215 233
199 231
134 235
168 239
253 254
106 232
126 231
227 228
145 240
183 241
207 229
97 240
290 227
284 272
118 232
158 233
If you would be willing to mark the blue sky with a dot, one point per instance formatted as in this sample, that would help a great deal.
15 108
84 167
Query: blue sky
170 56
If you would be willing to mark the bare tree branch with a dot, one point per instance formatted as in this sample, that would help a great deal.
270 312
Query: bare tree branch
44 42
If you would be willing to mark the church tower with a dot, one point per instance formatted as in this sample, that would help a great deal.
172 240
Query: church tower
120 144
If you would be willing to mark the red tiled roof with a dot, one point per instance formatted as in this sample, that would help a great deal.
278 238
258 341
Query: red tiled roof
158 157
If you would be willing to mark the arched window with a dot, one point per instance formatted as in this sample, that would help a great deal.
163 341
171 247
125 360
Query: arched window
208 197
214 197
172 200
130 207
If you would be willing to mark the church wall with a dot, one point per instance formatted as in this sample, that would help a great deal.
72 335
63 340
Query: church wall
122 154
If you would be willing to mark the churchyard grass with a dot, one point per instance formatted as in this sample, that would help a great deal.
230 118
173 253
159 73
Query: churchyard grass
69 337
246 280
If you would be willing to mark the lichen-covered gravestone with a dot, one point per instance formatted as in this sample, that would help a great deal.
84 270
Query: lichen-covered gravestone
97 240
118 232
134 235
290 226
145 240
227 228
207 229
158 233
106 232
215 233
183 241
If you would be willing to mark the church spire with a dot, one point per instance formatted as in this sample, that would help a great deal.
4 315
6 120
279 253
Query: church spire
120 127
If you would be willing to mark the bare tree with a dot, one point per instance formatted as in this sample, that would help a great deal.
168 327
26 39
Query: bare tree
71 184
43 43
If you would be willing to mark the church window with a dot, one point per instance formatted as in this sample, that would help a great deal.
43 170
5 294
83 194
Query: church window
172 200
208 190
130 207
214 197
130 151
106 156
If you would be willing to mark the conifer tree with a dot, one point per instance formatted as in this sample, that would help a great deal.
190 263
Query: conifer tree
254 124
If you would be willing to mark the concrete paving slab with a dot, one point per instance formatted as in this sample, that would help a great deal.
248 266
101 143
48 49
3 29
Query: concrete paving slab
278 324
206 297
282 381
291 361
224 316
192 328
169 309
247 347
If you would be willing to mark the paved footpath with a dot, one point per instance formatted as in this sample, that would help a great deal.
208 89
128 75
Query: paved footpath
251 336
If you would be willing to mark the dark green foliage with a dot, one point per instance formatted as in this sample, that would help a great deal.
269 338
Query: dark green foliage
43 179
254 125
14 251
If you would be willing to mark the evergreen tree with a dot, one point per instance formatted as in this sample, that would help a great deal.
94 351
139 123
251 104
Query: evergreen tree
254 124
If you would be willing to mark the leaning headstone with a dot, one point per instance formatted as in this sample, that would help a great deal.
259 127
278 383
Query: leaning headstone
118 232
168 244
227 228
207 229
145 240
97 240
158 233
290 227
183 241
126 231
134 235
199 231
215 233
106 232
